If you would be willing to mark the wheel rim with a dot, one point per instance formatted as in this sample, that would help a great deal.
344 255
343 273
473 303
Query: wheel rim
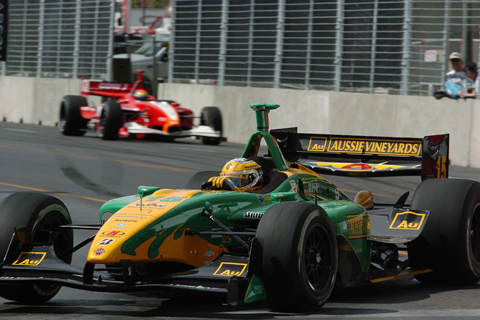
63 120
61 244
318 259
103 122
59 238
475 235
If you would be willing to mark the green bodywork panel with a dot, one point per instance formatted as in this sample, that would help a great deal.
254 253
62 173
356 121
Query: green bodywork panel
246 209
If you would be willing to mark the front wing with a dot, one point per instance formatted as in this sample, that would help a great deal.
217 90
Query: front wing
228 276
199 131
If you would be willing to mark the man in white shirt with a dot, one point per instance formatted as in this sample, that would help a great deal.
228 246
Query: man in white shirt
456 79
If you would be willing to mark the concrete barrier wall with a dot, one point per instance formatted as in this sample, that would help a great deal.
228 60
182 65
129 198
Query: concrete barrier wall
32 100
341 113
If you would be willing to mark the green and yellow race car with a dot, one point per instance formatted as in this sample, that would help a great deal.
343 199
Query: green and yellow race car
266 227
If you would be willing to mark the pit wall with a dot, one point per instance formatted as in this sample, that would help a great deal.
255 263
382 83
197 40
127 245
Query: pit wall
36 101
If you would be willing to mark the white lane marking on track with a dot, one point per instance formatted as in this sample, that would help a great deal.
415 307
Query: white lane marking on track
19 130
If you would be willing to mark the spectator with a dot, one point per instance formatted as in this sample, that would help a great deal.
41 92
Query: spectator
456 78
473 82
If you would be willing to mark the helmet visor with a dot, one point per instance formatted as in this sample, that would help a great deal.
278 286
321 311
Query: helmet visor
243 179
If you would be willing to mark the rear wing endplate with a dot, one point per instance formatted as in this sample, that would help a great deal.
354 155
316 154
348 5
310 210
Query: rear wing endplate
366 156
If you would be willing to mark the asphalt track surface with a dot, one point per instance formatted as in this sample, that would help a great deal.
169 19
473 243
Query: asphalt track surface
86 171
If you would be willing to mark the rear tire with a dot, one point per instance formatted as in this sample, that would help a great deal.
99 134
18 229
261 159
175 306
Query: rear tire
300 257
71 121
212 117
110 120
39 214
450 242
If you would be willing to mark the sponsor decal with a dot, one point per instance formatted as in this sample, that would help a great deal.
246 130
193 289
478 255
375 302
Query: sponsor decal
105 242
358 226
408 220
121 225
357 166
99 251
113 86
126 220
253 215
261 199
29 259
113 233
173 199
293 185
230 269
149 205
365 145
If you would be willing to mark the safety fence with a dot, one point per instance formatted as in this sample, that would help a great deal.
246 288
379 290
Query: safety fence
372 46
59 38
376 46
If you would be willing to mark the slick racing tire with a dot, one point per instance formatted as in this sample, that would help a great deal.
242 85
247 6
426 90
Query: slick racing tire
212 117
71 121
38 216
450 241
110 120
300 257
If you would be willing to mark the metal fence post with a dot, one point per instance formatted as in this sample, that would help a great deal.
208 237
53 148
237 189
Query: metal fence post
250 45
198 41
406 47
279 45
374 46
109 70
445 38
338 46
171 45
41 29
76 46
308 61
223 43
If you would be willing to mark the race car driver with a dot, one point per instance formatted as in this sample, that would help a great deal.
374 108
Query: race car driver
239 174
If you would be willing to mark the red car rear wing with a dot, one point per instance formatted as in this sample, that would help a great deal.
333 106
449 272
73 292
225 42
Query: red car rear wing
367 156
112 89
106 89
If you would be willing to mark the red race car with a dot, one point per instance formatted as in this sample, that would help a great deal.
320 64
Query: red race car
130 111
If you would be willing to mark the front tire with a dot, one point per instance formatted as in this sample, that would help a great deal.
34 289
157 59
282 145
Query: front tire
110 120
450 242
212 117
40 215
300 257
71 121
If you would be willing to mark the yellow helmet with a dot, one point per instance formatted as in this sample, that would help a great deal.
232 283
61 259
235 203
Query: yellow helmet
247 175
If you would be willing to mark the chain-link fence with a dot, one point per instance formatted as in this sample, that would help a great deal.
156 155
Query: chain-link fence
383 46
59 38
373 46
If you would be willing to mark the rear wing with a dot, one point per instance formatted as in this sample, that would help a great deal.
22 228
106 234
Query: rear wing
106 89
112 89
366 156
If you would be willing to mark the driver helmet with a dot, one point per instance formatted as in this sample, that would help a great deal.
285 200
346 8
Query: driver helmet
140 94
247 175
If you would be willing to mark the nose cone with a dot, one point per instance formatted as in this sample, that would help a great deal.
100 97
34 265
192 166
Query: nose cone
133 220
